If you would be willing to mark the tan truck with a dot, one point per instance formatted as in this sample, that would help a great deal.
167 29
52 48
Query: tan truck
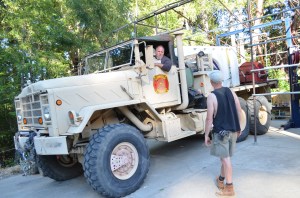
97 123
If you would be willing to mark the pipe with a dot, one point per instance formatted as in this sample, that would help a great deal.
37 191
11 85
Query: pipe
182 75
135 120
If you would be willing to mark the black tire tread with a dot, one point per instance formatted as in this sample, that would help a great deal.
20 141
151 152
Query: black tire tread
51 168
245 132
260 129
90 160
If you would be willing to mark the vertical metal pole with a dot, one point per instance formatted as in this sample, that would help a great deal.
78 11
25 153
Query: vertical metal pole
241 41
294 121
288 31
266 53
290 69
136 17
135 30
156 31
252 65
218 41
166 15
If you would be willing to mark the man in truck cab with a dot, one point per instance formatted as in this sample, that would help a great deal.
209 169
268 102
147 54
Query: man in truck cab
223 113
160 60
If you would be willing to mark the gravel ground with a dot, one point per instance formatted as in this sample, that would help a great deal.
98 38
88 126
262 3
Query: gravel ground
9 171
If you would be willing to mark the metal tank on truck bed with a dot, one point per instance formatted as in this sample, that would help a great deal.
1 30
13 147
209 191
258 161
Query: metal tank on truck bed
97 123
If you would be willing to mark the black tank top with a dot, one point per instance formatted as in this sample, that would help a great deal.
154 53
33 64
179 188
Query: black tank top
227 115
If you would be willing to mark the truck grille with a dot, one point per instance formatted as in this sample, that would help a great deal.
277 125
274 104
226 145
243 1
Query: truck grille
30 107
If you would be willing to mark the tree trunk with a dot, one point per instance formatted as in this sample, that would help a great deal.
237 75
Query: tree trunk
74 56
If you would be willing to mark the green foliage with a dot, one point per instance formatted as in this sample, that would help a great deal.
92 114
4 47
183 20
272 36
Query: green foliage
6 149
43 39
282 76
94 21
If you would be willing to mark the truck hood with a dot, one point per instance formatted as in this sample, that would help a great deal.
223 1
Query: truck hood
73 81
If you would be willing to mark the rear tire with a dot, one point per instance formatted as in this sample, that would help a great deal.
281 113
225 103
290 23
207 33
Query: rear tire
246 122
263 115
116 160
60 167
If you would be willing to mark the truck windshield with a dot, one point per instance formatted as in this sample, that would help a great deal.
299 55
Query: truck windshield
112 58
96 63
120 56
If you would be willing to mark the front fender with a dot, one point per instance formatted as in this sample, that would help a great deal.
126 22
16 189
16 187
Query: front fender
87 112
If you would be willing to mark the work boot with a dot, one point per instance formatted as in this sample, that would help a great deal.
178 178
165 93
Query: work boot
228 191
219 183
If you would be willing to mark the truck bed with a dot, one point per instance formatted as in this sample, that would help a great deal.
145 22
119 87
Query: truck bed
269 83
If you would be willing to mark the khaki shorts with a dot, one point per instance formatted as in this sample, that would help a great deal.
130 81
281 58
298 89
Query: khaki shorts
223 148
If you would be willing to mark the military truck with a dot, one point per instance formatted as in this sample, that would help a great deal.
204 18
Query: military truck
97 123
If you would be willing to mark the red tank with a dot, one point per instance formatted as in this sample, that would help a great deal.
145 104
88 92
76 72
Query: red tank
246 76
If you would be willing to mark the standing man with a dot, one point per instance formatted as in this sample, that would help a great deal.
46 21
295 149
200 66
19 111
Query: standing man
223 112
160 60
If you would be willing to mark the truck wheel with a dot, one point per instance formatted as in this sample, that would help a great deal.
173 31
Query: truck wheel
263 115
245 128
59 167
116 160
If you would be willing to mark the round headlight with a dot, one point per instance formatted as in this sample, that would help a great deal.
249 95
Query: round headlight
47 113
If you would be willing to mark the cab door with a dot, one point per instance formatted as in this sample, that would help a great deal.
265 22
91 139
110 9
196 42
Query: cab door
160 88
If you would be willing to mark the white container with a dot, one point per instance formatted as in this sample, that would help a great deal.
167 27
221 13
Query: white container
223 58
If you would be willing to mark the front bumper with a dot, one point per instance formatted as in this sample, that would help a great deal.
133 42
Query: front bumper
44 145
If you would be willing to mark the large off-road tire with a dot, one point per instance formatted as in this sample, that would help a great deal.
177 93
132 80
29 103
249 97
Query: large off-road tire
263 115
116 160
245 123
59 167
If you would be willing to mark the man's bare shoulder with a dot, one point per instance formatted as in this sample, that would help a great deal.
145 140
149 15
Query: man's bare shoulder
234 94
211 96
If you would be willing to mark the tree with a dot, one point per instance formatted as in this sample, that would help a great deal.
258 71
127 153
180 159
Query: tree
43 39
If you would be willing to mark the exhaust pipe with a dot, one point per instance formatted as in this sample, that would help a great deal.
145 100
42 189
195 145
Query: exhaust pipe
135 120
182 75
